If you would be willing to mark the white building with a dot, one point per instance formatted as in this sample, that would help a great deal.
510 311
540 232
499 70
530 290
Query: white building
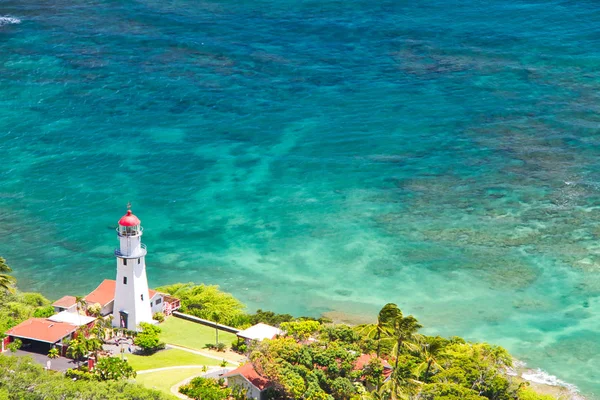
132 299
259 332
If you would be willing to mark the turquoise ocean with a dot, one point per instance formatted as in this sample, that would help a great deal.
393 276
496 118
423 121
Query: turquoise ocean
318 157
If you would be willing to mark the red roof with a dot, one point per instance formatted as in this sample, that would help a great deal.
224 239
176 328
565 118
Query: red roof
65 302
247 371
364 359
42 330
129 219
103 294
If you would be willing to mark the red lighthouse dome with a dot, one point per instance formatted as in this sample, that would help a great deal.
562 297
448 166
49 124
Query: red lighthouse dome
129 219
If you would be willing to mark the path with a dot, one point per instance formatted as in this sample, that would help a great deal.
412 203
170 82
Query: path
225 356
147 371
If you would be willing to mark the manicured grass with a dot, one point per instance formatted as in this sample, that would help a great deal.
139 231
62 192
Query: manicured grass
169 358
189 334
164 380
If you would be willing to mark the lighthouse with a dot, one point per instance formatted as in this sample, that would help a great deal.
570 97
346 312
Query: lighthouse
132 301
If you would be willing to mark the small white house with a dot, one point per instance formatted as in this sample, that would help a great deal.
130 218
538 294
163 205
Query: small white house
246 378
259 332
66 303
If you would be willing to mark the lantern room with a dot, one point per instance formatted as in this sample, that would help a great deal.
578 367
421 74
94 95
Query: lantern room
129 225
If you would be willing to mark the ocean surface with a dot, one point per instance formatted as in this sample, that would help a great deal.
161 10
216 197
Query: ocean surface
318 157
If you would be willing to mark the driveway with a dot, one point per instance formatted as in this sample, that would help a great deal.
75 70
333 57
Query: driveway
56 364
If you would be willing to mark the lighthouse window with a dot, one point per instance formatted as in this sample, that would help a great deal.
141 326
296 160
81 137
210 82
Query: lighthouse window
124 261
124 280
142 297
139 260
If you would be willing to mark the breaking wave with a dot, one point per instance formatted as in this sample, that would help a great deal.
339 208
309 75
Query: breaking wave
542 377
9 20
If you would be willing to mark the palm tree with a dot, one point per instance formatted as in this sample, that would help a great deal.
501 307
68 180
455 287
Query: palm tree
431 349
382 330
94 345
405 334
77 349
6 281
216 316
81 304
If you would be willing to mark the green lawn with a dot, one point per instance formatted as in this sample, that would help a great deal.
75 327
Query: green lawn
189 334
169 358
164 380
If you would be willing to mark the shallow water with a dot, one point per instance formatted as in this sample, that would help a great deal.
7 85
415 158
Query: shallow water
317 157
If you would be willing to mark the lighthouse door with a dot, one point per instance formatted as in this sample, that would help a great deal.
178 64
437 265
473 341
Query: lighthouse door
123 322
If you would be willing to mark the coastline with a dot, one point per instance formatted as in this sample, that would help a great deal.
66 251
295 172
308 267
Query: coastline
538 379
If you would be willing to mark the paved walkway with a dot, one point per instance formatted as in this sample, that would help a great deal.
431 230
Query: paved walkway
204 353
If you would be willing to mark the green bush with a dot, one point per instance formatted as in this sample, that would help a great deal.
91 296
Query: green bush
113 368
239 346
80 375
53 353
15 345
44 312
160 317
205 389
148 339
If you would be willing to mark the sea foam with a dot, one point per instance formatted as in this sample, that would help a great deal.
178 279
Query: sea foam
542 377
9 20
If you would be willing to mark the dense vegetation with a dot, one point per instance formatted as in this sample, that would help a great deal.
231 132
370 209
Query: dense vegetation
424 367
16 306
22 379
209 389
208 302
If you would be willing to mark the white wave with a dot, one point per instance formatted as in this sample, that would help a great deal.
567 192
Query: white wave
542 377
9 20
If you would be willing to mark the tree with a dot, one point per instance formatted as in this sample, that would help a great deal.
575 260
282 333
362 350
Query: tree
77 348
342 388
216 317
300 330
6 281
403 330
44 312
113 368
430 349
203 300
148 339
53 353
15 345
205 389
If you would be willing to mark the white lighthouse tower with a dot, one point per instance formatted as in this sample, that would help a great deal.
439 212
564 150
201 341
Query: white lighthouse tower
132 302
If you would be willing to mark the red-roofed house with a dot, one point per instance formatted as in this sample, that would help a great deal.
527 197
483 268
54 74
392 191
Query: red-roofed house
364 360
247 378
66 303
104 295
41 334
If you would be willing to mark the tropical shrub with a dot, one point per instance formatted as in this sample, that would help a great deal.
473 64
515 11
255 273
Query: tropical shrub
53 353
148 339
160 317
113 368
44 312
205 389
205 301
15 345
